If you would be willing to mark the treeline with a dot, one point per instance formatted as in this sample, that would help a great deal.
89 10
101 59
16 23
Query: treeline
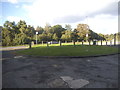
21 33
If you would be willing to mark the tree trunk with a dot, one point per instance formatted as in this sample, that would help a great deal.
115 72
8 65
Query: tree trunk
60 43
89 42
114 39
106 42
74 43
30 45
82 42
47 44
101 42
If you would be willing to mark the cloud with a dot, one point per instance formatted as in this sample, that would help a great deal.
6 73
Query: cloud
17 1
42 11
13 1
14 18
104 23
69 19
17 6
111 9
102 14
119 8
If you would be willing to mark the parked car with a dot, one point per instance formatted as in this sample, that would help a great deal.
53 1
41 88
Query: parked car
53 42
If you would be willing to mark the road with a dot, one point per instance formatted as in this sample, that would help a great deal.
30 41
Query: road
28 72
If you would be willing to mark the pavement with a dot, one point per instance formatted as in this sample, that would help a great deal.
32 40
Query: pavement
29 72
12 48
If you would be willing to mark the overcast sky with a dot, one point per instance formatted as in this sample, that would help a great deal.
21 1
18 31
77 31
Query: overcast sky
100 15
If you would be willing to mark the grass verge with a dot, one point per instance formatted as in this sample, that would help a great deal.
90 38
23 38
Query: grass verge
68 50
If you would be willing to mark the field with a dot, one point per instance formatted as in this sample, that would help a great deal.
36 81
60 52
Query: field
67 49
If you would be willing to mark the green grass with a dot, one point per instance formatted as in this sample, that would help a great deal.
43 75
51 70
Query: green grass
68 50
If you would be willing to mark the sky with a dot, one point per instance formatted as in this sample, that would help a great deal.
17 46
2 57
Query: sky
100 15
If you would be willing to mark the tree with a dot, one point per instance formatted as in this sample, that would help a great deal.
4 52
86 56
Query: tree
55 37
49 36
43 37
22 26
58 30
82 30
26 32
8 33
30 32
68 36
68 27
6 39
47 28
16 34
117 36
92 35
101 36
40 30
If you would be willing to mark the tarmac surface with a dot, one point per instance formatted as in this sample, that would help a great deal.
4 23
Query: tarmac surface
28 72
